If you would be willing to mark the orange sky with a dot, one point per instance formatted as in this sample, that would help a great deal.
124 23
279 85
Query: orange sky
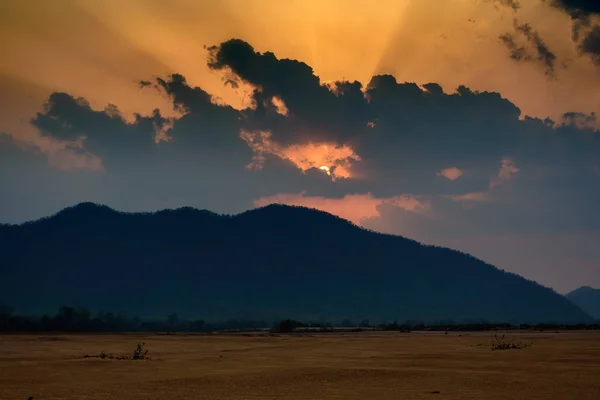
99 49
354 207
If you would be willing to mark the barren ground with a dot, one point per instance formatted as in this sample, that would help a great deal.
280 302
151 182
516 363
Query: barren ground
313 366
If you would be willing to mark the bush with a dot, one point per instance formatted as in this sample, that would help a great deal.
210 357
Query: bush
139 353
504 343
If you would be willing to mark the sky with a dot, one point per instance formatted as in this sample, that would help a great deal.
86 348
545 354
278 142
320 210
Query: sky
463 123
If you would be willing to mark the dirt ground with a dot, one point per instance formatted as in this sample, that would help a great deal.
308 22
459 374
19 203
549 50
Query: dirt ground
317 366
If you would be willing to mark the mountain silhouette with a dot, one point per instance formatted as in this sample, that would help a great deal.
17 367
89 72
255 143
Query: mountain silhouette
272 262
588 299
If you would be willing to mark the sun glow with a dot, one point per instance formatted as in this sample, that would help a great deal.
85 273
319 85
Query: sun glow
326 169
334 160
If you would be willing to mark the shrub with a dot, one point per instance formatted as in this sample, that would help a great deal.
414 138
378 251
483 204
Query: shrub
139 353
503 343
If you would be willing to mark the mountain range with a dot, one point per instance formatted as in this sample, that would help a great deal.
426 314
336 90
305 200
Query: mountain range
588 299
266 263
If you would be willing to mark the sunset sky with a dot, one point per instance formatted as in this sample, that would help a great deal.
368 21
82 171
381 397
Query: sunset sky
464 123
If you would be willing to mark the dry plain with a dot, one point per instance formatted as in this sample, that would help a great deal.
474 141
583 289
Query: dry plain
375 365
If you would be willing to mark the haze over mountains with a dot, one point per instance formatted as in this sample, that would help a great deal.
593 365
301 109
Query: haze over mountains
273 262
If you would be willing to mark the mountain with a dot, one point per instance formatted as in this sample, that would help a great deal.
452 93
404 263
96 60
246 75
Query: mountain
588 299
273 262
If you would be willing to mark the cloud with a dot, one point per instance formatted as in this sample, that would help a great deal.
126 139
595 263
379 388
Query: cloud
590 44
329 157
517 52
537 50
514 4
582 6
384 138
63 155
451 173
378 123
585 25
327 141
320 111
580 121
544 55
470 197
102 132
70 159
506 172
280 106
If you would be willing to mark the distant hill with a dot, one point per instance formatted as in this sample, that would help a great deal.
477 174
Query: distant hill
273 262
588 299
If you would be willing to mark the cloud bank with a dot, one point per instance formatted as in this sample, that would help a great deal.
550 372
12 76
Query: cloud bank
418 159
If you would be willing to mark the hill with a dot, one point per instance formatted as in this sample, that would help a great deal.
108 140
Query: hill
588 299
273 262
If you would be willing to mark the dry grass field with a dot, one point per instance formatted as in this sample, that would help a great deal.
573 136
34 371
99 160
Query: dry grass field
362 366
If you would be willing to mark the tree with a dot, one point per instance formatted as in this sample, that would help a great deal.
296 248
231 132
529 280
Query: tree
173 319
197 325
6 311
346 323
286 326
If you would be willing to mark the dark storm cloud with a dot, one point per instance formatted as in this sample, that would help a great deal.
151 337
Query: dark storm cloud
204 126
581 22
579 120
104 132
202 129
403 136
415 132
586 33
328 111
421 130
200 159
582 6
590 44
391 126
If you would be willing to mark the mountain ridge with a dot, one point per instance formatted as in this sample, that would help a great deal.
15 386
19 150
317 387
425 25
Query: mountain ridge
274 261
586 298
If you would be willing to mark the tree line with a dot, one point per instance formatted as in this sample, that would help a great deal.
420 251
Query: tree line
72 319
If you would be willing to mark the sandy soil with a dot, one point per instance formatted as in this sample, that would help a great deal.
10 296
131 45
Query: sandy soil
327 366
